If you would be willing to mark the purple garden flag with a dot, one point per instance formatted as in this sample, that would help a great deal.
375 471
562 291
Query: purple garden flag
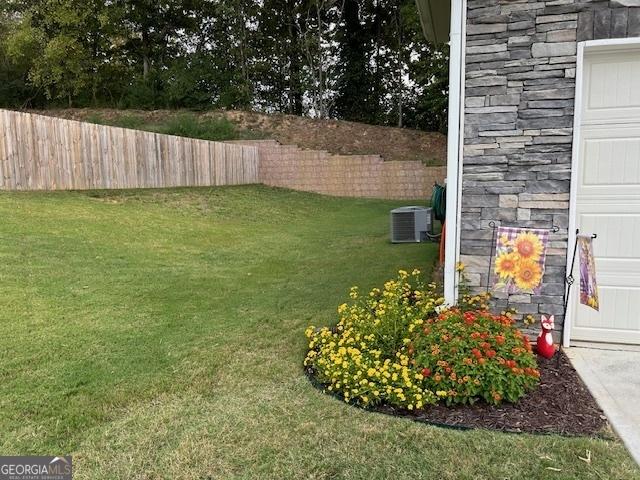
588 284
520 256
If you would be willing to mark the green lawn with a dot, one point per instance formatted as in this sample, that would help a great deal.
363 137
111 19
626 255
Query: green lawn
159 334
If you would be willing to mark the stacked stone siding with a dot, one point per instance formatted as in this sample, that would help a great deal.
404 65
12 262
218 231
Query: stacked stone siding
519 108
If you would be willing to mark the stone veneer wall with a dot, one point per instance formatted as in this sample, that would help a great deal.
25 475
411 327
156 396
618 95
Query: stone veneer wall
344 175
519 105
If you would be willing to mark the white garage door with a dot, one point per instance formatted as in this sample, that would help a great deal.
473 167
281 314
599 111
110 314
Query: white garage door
608 193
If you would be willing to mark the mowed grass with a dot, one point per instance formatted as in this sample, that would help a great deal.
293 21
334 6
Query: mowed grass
159 334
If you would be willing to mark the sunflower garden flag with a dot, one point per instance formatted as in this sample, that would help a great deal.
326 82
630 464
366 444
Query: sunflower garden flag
588 284
520 255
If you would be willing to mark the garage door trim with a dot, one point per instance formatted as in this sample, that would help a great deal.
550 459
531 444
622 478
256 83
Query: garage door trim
612 45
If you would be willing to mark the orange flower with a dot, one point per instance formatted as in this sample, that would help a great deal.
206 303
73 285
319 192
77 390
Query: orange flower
499 339
496 396
528 246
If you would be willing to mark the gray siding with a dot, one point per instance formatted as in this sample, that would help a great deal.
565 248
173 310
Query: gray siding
519 105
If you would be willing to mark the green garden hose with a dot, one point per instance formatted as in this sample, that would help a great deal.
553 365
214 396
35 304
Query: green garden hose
439 202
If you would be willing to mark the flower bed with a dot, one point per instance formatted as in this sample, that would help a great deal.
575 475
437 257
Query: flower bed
400 347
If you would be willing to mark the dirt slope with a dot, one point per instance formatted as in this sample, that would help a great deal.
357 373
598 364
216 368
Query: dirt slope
337 136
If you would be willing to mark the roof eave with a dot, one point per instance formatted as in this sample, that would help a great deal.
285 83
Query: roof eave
435 17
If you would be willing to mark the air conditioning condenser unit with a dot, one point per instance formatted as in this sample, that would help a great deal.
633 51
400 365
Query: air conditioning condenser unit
411 224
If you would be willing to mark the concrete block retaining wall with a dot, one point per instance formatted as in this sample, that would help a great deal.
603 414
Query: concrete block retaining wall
344 175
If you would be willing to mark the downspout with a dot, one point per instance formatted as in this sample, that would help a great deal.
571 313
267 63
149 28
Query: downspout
454 147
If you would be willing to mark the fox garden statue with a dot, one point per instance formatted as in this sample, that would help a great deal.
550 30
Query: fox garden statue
545 345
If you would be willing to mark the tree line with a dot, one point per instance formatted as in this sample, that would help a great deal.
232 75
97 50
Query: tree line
360 60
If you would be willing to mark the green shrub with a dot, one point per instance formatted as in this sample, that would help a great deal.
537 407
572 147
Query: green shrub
474 354
399 345
124 120
129 121
208 128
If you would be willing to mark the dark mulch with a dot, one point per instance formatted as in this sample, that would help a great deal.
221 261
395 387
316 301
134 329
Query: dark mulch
561 404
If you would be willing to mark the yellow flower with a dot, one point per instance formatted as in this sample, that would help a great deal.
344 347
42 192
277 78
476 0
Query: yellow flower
441 393
528 274
528 246
506 265
460 267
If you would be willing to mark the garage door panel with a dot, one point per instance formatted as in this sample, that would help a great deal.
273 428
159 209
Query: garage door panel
615 302
610 158
608 195
618 234
611 88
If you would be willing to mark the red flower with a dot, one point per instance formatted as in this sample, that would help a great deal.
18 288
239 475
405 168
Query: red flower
469 318
426 372
490 353
499 339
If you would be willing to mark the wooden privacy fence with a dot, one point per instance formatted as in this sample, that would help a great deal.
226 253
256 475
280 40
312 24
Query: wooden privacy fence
46 153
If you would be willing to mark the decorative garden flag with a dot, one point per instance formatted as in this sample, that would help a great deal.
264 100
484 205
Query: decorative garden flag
520 256
588 284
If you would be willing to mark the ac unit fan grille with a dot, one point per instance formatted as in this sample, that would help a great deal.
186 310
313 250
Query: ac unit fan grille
404 227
